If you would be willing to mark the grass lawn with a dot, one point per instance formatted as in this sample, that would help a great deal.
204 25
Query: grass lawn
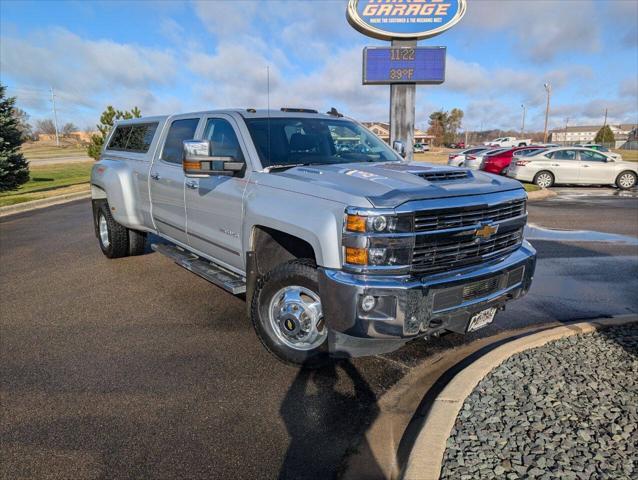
46 150
628 155
530 187
50 180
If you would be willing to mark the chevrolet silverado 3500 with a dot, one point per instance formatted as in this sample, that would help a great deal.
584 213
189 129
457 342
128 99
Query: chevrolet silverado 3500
343 251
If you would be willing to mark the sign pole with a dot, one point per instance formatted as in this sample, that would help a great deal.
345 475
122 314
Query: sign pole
402 109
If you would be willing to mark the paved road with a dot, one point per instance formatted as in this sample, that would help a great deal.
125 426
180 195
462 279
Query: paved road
135 368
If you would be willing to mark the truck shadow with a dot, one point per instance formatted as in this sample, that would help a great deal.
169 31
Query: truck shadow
319 403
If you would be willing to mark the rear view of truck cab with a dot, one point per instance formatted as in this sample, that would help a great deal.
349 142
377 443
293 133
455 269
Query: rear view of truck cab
340 246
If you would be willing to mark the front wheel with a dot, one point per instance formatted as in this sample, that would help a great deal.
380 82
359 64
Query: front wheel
287 315
544 179
626 180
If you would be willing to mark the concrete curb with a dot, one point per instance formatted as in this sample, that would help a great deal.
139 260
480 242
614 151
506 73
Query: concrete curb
540 195
424 461
45 202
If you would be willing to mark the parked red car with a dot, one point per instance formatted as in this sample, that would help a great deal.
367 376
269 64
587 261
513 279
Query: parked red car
498 162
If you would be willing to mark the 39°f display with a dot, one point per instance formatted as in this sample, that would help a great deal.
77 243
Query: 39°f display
423 65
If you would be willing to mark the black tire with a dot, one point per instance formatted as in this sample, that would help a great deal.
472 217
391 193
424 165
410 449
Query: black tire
117 245
541 176
136 242
627 174
301 273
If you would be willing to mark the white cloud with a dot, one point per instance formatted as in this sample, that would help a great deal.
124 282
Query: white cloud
82 71
541 29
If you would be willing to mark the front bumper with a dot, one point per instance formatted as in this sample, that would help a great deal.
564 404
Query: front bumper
411 307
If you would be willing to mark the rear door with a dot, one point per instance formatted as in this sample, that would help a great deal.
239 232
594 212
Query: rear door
594 168
564 164
214 204
167 180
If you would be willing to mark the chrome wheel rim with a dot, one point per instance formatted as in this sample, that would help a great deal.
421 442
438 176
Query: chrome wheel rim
544 180
627 180
104 232
296 317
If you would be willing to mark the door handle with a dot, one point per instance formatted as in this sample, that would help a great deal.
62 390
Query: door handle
155 176
555 165
192 184
586 166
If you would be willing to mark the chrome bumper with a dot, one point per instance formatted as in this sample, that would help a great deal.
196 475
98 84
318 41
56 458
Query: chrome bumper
411 307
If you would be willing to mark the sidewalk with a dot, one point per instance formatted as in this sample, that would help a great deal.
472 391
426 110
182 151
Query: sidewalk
567 409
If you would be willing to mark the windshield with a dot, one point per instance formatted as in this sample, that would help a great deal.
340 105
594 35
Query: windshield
315 141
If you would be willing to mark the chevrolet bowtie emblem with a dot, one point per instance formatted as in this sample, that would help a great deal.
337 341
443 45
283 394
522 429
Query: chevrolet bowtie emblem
486 231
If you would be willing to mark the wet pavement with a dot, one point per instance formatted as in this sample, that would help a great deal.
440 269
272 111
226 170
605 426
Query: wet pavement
137 368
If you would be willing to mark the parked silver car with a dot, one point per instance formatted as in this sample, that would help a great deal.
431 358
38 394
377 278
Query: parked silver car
456 159
473 162
581 166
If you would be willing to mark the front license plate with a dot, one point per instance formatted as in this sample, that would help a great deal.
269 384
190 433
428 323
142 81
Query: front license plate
481 319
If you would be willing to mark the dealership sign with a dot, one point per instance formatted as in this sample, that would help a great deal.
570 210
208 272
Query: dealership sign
388 65
404 19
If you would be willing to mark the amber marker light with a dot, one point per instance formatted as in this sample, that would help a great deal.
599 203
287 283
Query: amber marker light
192 165
356 256
356 223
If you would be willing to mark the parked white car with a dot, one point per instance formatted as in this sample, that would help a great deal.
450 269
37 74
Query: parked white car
580 166
456 159
421 147
509 142
473 162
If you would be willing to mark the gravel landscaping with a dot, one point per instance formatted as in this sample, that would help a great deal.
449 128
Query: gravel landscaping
566 410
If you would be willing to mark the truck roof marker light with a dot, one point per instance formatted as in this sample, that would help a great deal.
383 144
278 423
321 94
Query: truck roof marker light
356 256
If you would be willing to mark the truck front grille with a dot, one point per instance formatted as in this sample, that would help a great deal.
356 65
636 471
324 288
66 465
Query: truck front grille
442 254
429 220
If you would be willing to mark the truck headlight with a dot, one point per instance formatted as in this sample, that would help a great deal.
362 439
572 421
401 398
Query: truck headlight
378 223
377 241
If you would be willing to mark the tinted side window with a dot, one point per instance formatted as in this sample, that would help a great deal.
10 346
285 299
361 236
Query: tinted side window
589 156
141 137
223 139
180 130
120 137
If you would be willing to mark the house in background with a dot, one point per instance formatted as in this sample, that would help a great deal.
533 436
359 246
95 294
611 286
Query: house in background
581 134
382 130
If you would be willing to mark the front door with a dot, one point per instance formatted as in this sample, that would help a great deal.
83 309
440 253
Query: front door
214 204
167 181
594 168
565 166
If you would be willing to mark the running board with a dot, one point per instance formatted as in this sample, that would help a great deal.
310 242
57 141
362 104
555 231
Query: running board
215 274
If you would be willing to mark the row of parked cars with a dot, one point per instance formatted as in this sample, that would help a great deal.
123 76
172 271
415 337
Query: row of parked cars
547 165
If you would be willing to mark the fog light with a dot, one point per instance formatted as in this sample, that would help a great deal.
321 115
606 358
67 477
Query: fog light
368 302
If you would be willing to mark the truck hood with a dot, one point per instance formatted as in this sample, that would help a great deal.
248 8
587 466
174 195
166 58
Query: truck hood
390 184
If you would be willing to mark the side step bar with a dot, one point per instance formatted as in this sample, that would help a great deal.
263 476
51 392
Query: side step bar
221 277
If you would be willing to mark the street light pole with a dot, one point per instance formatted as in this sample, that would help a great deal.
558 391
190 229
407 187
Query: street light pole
523 122
548 89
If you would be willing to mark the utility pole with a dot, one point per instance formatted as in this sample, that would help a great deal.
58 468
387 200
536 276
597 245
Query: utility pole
605 122
523 122
566 125
55 119
548 89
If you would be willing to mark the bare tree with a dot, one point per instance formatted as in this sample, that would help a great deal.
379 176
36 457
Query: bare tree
68 129
45 126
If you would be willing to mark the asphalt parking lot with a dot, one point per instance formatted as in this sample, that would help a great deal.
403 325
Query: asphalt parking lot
136 368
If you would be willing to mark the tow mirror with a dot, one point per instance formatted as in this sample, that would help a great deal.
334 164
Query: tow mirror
399 147
199 161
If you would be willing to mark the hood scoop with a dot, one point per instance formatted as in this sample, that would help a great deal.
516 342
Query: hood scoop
440 176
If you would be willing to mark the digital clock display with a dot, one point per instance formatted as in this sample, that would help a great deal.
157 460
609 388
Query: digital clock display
385 65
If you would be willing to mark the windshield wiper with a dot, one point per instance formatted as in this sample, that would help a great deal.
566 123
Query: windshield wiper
283 166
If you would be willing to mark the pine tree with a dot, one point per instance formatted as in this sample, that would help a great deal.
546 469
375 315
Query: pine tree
14 168
107 119
605 135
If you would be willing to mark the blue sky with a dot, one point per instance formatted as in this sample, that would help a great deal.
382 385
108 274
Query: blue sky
168 57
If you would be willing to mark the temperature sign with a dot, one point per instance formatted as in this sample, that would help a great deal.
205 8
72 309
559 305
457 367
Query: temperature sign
385 65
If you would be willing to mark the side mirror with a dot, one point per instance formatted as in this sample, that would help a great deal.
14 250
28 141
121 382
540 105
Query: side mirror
399 147
198 160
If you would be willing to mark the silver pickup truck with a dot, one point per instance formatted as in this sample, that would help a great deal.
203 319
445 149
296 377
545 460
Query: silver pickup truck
340 246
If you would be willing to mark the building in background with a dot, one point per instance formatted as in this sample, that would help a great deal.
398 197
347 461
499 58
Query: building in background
382 130
581 134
